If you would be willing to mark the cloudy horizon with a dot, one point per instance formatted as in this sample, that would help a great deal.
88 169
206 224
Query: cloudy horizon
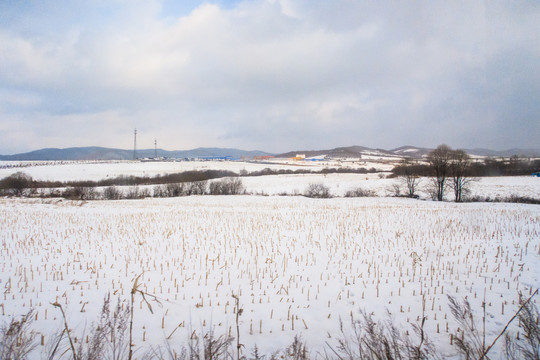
270 75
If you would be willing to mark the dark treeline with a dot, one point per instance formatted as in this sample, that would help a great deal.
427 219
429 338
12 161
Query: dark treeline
487 167
186 176
183 177
513 166
268 171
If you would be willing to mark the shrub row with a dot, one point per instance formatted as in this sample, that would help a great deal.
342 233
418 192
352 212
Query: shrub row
17 182
226 186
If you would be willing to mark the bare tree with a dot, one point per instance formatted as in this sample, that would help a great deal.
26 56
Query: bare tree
440 160
409 177
198 187
112 193
359 192
317 190
174 189
226 186
459 169
17 184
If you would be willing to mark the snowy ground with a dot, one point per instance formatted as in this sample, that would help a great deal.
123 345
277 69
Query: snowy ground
339 184
298 264
71 171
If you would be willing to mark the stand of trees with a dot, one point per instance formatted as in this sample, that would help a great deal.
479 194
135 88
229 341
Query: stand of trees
455 170
440 161
460 164
449 168
18 184
446 167
410 177
513 166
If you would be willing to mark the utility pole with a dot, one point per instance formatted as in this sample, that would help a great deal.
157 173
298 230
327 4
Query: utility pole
155 148
135 145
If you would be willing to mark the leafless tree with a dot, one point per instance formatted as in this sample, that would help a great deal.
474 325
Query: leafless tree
198 187
360 192
459 169
409 177
174 189
317 190
112 193
233 185
226 186
17 184
440 160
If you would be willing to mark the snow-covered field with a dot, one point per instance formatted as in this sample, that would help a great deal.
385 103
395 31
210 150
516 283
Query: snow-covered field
339 184
72 171
298 264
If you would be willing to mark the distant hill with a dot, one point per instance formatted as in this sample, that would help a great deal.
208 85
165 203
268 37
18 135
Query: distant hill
405 151
411 151
101 153
340 152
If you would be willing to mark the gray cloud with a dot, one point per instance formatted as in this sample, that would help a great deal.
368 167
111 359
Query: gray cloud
270 75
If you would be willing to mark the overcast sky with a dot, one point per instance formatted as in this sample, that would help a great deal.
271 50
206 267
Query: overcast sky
272 75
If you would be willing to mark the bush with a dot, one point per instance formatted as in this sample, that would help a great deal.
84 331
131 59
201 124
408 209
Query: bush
111 193
80 193
359 192
227 186
317 190
174 189
197 188
133 193
158 191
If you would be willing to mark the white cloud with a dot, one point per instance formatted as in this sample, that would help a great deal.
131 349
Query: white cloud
259 73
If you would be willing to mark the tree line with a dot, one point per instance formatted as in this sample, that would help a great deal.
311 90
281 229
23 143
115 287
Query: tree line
447 169
455 169
21 184
513 166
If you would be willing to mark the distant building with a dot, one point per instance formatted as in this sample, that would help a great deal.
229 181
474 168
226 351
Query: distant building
217 158
264 157
316 158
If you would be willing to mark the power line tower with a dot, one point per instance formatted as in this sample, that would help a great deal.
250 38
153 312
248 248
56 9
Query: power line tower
135 145
155 148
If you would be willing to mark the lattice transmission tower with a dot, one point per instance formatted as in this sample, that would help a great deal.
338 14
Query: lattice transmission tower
135 145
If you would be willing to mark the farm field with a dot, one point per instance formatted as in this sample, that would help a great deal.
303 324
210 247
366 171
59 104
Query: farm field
298 265
338 183
92 170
